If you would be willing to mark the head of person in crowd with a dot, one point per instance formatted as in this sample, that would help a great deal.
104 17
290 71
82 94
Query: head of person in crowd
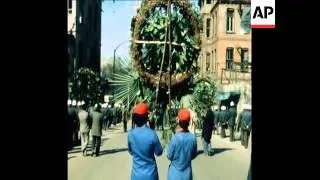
97 107
140 114
74 103
231 104
69 102
223 108
184 118
82 105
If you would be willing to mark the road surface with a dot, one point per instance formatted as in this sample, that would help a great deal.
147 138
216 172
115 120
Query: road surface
230 162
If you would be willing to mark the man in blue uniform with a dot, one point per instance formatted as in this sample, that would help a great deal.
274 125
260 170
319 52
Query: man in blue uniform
182 149
143 143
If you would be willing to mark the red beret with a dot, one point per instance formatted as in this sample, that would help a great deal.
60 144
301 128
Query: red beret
141 109
184 115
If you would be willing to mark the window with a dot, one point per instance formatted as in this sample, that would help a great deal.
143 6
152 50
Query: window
69 6
230 20
213 26
216 25
208 62
215 61
212 62
208 27
244 59
208 1
229 59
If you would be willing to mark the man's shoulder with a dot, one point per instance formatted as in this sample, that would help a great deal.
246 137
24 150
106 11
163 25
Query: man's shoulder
185 135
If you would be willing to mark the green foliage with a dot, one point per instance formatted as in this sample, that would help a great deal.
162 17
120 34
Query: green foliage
128 85
154 30
85 86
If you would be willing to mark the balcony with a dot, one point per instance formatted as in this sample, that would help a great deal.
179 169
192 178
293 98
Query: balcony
236 72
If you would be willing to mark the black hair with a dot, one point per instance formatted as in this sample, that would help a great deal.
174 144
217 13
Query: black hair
184 124
139 120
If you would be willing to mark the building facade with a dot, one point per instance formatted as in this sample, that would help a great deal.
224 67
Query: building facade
84 34
226 46
71 34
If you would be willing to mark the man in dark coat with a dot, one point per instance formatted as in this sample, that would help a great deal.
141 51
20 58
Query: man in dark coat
245 123
232 120
109 115
96 129
124 117
104 117
216 114
70 127
207 128
223 120
160 115
73 114
119 112
114 114
132 121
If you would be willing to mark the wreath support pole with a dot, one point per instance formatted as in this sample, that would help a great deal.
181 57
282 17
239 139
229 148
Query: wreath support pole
162 60
161 42
169 66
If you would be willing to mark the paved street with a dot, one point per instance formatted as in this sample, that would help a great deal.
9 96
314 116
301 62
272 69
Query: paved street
230 162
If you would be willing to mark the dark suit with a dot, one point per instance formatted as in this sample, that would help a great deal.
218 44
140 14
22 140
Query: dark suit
245 123
207 128
216 114
73 115
223 119
125 118
232 121
96 131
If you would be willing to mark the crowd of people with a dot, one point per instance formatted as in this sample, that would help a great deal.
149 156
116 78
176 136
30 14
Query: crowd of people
143 142
84 118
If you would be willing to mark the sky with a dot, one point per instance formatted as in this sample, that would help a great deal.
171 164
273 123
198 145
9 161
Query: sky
115 26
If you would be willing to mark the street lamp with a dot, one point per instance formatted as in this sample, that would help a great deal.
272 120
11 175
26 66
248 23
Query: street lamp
114 61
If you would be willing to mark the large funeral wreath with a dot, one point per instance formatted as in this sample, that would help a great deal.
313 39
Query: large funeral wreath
150 25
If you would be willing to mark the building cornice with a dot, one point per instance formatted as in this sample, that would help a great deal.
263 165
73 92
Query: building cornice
245 2
214 40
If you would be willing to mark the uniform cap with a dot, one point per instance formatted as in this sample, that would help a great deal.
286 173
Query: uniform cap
69 102
141 109
231 103
74 102
184 115
223 108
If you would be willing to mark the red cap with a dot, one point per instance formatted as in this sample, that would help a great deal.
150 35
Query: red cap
141 109
184 115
